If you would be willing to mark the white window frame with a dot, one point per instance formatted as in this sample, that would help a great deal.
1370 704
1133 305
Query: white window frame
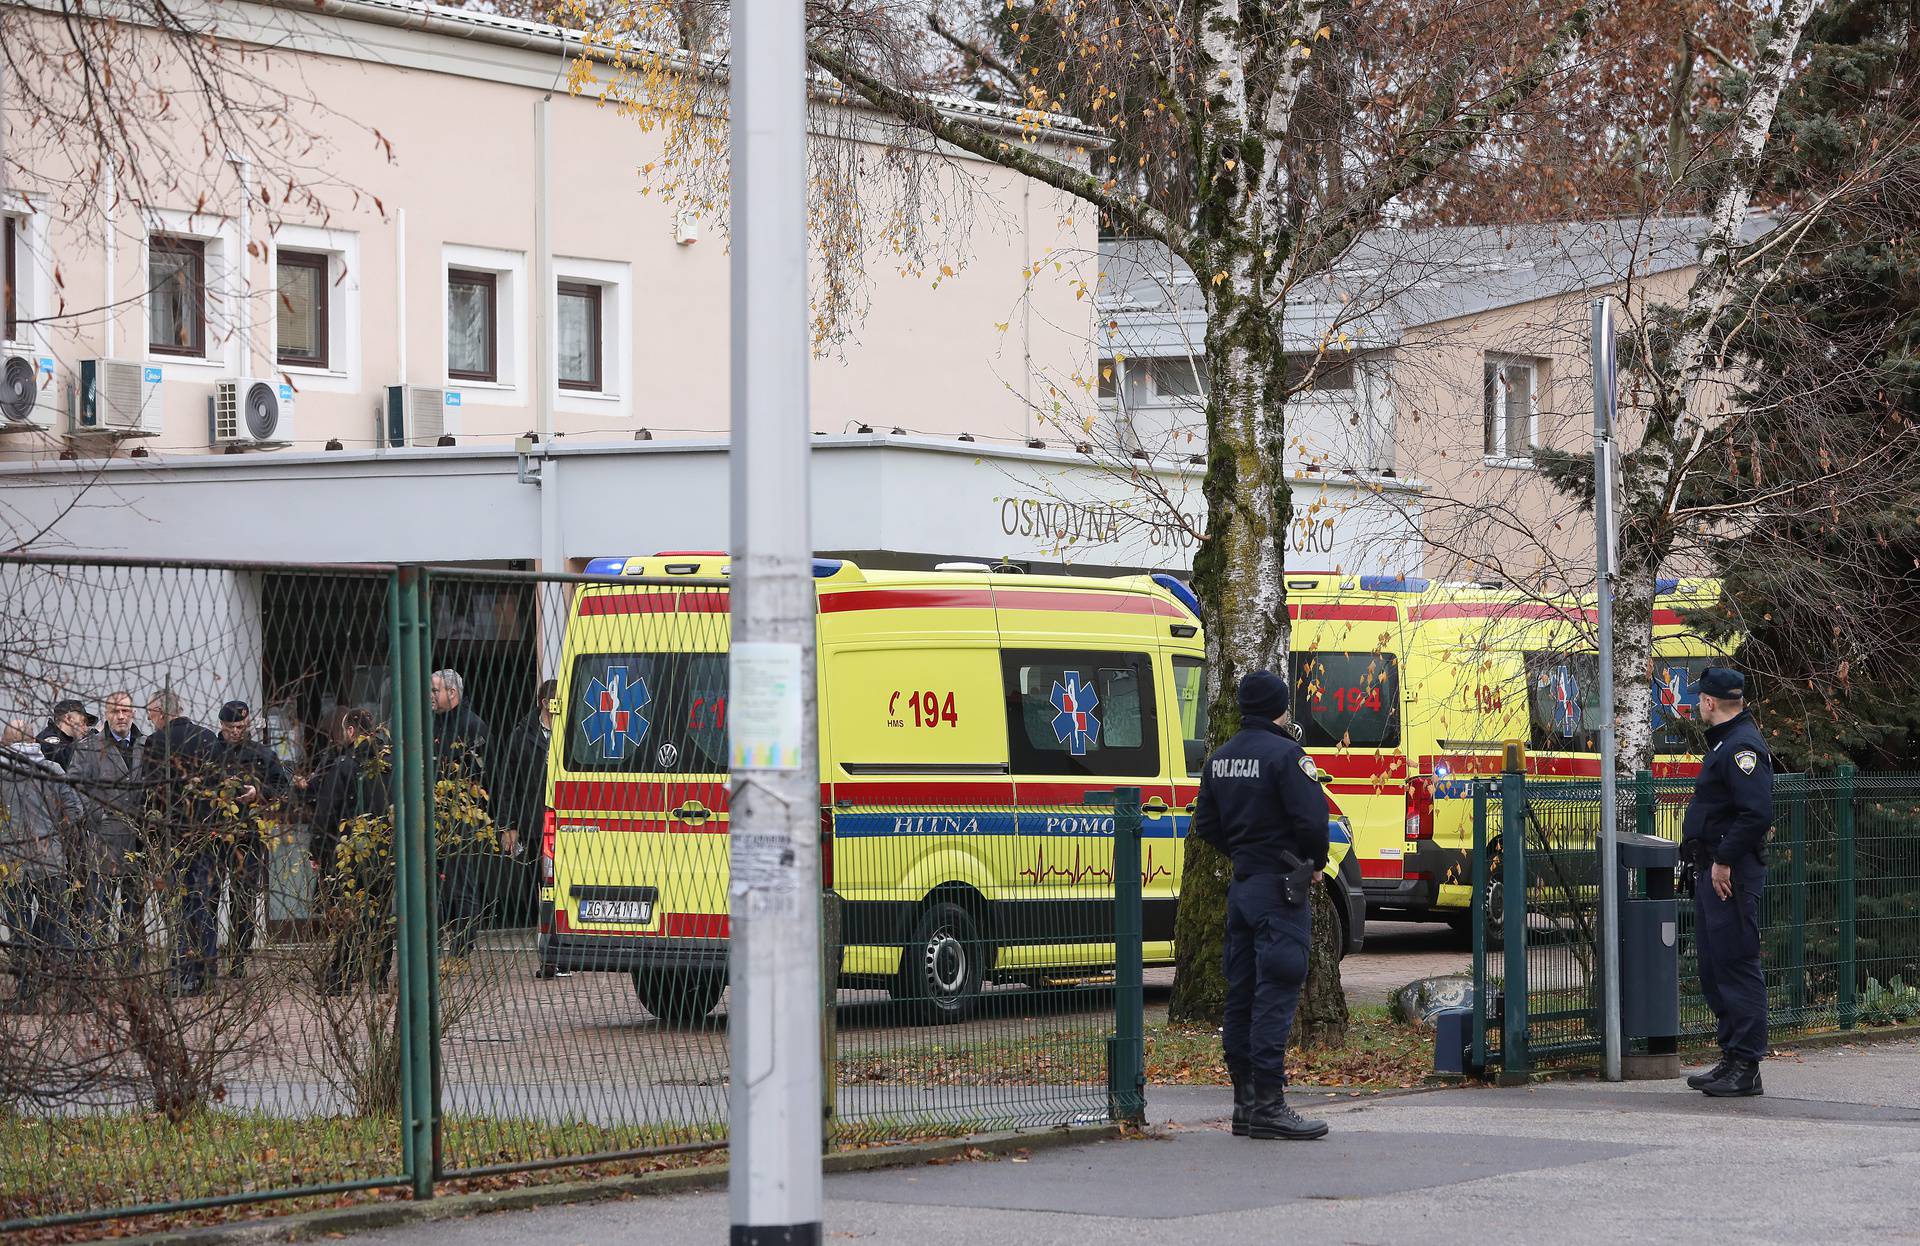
1503 454
509 269
342 249
221 239
614 398
31 282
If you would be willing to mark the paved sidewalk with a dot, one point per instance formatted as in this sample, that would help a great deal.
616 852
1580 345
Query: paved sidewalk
1832 1153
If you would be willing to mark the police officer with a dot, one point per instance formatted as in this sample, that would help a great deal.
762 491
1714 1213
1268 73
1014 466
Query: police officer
1261 804
1723 842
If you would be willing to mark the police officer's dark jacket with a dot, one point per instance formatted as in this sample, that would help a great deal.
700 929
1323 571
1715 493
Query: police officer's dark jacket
1260 797
1732 806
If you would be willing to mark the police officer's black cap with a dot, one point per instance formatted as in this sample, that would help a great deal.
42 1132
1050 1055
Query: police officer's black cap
234 712
1723 682
1264 694
70 706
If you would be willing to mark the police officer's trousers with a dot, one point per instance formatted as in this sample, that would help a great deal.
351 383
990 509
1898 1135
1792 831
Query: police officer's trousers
1727 933
1267 945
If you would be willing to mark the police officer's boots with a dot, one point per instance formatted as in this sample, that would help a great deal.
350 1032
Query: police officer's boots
1705 1078
1272 1118
1741 1080
1242 1075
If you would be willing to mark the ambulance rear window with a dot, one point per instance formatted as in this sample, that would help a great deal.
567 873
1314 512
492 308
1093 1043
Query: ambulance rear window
1563 702
1347 700
648 713
1081 713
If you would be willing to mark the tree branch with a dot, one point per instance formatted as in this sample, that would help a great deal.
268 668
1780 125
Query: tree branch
967 47
925 115
1452 136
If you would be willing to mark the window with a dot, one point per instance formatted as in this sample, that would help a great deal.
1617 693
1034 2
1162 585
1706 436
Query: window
1676 704
650 713
1347 700
1178 377
301 309
1081 714
579 324
1563 702
13 282
176 295
1315 373
473 325
1512 402
1190 697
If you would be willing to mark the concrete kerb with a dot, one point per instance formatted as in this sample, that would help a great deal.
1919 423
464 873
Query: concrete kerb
334 1221
1803 1042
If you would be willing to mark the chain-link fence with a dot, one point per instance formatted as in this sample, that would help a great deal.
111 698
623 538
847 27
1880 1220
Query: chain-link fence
1839 915
318 880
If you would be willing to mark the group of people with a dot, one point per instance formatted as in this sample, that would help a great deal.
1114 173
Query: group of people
1261 805
101 821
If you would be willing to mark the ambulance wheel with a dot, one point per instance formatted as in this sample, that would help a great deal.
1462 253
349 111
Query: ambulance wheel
678 996
941 974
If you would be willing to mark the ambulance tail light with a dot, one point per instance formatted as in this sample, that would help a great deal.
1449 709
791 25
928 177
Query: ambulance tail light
826 849
548 826
1420 807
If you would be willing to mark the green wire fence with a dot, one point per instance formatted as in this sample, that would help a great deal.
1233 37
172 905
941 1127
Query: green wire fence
449 899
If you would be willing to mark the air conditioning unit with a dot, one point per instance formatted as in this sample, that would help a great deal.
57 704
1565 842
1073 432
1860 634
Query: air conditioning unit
415 416
27 398
248 411
117 397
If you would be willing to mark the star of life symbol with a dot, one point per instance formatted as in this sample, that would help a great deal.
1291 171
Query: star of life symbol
1676 693
614 719
1074 722
1565 690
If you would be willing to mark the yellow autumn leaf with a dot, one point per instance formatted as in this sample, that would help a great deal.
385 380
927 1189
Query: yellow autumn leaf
1220 276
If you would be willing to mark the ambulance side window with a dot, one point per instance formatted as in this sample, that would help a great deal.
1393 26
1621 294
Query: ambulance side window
1190 693
1081 713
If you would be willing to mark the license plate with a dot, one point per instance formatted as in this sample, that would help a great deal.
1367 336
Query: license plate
631 912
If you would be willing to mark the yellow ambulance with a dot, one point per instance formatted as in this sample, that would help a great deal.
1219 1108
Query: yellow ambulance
1404 689
965 719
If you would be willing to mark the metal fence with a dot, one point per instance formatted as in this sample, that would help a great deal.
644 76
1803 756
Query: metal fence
346 944
1839 918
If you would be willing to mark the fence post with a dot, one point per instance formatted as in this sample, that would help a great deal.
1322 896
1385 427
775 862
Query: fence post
1643 802
1843 825
1515 1061
412 914
1801 793
1477 1053
1126 1052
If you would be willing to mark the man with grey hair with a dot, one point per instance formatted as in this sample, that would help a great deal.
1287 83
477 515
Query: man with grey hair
108 768
460 739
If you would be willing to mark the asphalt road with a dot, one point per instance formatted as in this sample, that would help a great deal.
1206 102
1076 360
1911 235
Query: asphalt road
1831 1154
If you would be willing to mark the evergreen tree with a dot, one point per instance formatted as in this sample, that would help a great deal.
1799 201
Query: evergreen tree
1823 575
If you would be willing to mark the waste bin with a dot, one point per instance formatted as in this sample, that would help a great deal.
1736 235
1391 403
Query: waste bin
1649 943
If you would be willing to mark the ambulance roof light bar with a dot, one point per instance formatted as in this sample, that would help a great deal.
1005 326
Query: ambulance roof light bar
1181 593
823 568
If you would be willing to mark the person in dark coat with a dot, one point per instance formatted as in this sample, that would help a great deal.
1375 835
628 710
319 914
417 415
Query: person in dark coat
353 801
520 793
1723 840
460 743
247 778
67 724
1261 804
177 765
37 811
109 775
